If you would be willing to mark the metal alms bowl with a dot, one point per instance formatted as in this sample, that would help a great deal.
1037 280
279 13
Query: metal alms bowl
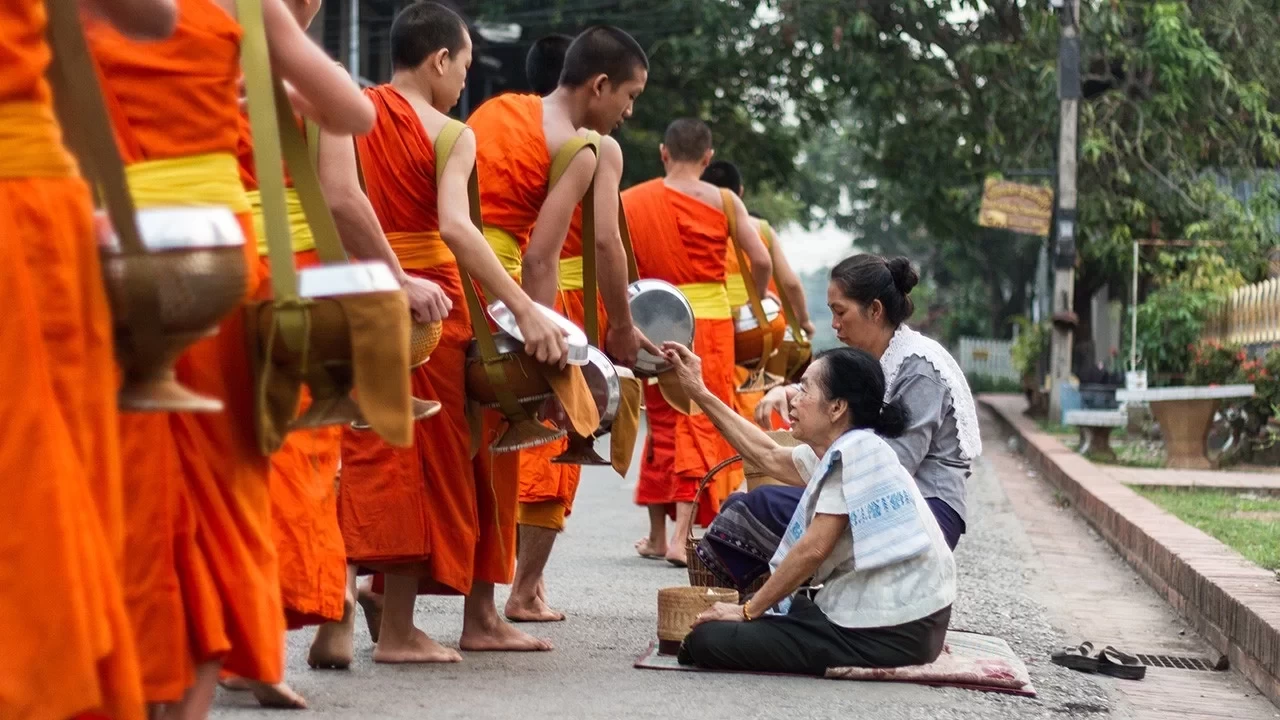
606 390
663 314
575 338
524 380
748 341
192 274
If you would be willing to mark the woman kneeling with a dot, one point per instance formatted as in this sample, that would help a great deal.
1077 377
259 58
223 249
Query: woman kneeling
880 577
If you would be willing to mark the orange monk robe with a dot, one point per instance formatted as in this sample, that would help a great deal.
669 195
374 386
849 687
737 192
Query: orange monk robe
68 644
201 572
304 497
430 510
683 241
514 166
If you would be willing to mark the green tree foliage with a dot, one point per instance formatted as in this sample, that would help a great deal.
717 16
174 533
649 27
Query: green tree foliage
885 117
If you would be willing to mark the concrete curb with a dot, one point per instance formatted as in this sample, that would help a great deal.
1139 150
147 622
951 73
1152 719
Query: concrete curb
1232 603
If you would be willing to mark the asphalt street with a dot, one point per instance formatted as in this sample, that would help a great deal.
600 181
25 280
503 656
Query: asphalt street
609 595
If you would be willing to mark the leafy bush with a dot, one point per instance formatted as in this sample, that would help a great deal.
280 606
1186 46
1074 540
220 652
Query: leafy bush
1032 342
979 383
1213 363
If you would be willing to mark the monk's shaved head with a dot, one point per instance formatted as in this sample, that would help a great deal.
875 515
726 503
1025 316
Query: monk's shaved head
687 140
725 174
603 49
545 62
423 28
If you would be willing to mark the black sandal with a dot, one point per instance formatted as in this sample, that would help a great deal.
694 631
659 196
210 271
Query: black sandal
1120 664
1077 658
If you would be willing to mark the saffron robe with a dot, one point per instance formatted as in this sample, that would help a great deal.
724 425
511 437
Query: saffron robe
69 646
202 579
684 241
430 510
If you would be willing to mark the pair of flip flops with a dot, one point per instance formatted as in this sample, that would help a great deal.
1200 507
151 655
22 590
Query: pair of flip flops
1107 661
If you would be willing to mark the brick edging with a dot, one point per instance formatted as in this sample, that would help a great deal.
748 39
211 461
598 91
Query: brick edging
1232 603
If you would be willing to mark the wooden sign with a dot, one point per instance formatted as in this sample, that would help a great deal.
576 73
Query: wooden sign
1026 209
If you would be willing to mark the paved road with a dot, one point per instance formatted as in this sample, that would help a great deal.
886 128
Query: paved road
610 597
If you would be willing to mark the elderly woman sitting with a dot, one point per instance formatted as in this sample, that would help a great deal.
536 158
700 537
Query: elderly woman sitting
880 575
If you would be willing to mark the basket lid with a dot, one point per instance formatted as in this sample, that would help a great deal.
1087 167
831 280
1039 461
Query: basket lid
178 228
346 279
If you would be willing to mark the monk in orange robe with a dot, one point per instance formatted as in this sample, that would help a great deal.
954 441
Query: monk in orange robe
65 502
681 235
531 230
429 517
303 472
725 174
202 578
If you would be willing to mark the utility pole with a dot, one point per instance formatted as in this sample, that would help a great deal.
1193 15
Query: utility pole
1064 260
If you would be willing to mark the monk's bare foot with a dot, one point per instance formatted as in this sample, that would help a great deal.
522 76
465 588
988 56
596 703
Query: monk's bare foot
235 684
417 648
334 642
371 604
278 696
648 549
498 636
533 609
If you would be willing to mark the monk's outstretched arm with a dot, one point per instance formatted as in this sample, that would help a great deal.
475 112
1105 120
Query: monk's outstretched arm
624 339
789 283
331 98
543 340
359 229
751 244
141 19
541 271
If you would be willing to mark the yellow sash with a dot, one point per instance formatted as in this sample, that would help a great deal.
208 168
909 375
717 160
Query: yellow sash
710 301
210 179
571 273
507 248
299 229
31 143
420 250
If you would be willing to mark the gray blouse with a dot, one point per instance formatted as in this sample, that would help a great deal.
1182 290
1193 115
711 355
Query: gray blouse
930 447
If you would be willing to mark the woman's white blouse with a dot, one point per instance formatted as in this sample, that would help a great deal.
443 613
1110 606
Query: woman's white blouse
909 590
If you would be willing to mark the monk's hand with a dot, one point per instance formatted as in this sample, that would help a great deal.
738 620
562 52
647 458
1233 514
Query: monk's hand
809 328
777 400
427 302
625 343
543 339
687 366
720 612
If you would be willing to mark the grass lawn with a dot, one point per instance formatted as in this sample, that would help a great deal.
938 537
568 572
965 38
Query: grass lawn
1132 452
1250 525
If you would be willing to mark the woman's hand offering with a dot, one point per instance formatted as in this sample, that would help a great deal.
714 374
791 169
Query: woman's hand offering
777 400
720 612
688 367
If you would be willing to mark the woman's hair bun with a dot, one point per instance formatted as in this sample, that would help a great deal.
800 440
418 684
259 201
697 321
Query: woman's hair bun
904 275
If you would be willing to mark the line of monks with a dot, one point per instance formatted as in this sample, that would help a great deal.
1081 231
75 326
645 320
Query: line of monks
168 553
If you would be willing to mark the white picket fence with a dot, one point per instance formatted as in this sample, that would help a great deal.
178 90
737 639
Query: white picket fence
983 356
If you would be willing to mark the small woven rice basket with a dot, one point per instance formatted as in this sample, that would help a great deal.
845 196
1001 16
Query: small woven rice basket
678 607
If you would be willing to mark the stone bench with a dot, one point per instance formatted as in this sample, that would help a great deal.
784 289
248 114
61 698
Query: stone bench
1095 431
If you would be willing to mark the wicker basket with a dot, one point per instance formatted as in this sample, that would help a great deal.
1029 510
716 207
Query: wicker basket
678 607
699 575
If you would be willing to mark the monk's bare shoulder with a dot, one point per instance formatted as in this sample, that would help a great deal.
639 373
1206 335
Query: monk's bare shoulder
610 152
